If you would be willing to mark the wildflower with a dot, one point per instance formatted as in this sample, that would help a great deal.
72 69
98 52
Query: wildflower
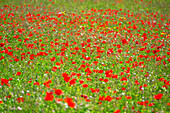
124 41
37 83
58 92
4 81
70 102
18 73
158 96
108 98
49 96
19 108
85 85
1 102
117 111
21 99
151 104
128 97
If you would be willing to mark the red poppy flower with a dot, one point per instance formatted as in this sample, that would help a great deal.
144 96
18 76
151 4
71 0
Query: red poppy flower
145 85
20 99
101 98
37 83
123 79
94 90
117 111
70 102
66 79
100 71
143 103
4 81
16 60
118 98
128 97
1 58
9 96
2 44
110 51
88 70
47 83
73 81
108 98
118 46
58 92
28 94
18 73
136 82
85 85
115 76
57 63
119 50
81 81
151 104
124 41
53 59
123 88
49 96
105 80
158 96
87 100
87 58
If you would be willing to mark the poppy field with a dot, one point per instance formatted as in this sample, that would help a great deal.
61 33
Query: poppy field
84 56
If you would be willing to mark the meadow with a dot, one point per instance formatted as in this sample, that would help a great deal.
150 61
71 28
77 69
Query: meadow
84 56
